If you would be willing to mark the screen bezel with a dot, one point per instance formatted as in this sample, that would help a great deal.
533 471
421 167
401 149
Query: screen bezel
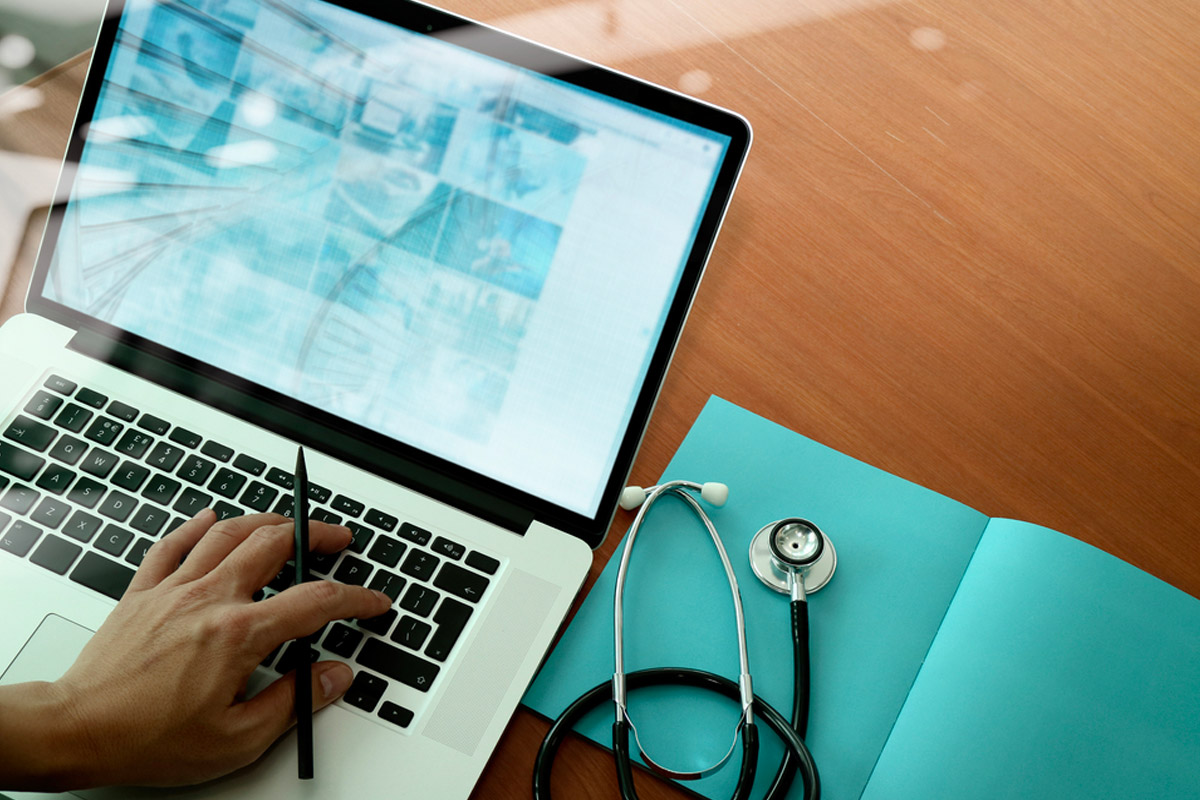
361 446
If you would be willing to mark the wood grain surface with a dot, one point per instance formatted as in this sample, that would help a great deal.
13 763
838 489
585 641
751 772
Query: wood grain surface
965 249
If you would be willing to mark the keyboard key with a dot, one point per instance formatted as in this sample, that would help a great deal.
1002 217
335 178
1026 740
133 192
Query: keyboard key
4 481
165 456
419 599
280 478
451 618
388 582
104 431
318 493
362 537
55 479
99 462
130 476
292 655
137 553
86 492
482 563
192 502
380 520
387 551
227 483
68 449
380 624
448 548
415 534
249 464
185 437
155 425
4 519
19 498
21 463
122 411
90 397
50 512
259 496
113 540
325 515
397 715
420 564
225 510
321 563
55 554
366 691
73 418
342 640
82 526
20 537
353 570
411 632
351 508
59 384
196 469
284 578
117 506
134 443
462 582
103 575
217 450
161 489
43 405
397 664
285 506
149 519
30 433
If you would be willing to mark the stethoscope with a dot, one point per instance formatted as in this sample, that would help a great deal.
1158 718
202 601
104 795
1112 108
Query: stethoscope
792 556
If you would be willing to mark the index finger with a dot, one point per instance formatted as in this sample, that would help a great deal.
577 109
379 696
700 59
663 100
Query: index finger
302 609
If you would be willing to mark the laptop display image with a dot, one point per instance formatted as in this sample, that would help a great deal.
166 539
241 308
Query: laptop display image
451 263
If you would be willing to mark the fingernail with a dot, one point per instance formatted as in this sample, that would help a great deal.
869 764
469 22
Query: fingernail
383 596
336 680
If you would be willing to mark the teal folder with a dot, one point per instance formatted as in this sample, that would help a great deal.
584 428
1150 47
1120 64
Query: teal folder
953 655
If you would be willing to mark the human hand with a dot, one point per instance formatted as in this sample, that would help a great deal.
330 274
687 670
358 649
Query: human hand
156 697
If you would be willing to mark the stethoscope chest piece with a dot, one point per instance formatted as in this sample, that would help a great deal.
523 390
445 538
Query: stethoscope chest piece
789 544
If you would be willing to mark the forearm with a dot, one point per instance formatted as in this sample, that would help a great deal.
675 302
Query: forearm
39 746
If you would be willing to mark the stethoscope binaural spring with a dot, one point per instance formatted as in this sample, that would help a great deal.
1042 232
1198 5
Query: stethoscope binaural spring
792 556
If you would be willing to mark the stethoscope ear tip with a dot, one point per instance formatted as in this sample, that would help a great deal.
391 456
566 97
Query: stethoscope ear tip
632 497
714 493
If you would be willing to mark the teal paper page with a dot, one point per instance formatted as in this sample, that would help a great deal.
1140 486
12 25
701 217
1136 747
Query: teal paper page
902 550
1059 672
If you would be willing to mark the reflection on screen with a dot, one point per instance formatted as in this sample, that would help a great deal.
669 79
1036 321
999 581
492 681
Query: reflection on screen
420 239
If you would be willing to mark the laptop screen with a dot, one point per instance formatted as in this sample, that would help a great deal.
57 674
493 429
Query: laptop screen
467 256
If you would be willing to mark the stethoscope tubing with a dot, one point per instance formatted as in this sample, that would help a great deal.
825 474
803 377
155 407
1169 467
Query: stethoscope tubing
679 676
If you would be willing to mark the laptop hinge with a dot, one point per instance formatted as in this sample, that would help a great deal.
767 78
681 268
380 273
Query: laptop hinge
301 424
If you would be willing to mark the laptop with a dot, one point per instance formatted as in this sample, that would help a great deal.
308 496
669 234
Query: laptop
450 263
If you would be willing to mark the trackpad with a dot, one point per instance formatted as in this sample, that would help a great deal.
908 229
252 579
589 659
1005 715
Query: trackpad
49 653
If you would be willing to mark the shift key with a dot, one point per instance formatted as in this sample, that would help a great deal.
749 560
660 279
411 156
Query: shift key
393 662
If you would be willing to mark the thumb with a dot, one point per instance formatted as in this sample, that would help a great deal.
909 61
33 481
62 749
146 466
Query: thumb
274 708
331 679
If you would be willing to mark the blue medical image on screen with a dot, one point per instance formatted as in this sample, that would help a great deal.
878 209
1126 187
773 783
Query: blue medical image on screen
371 220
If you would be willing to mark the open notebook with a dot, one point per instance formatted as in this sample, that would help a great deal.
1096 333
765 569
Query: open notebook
954 655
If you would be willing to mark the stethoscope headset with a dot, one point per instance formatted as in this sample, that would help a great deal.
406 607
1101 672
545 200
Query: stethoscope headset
792 556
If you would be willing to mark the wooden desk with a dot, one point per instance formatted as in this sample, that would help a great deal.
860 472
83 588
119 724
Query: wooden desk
965 249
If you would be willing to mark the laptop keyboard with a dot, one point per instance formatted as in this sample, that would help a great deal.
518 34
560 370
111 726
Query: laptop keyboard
89 482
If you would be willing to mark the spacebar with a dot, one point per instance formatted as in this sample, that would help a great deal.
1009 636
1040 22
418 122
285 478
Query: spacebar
103 575
395 663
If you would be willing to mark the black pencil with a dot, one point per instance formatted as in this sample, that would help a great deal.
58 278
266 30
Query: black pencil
304 737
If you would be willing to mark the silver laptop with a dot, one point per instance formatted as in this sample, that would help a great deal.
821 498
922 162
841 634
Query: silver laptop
449 262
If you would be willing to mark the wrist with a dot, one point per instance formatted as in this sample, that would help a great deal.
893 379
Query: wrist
45 745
